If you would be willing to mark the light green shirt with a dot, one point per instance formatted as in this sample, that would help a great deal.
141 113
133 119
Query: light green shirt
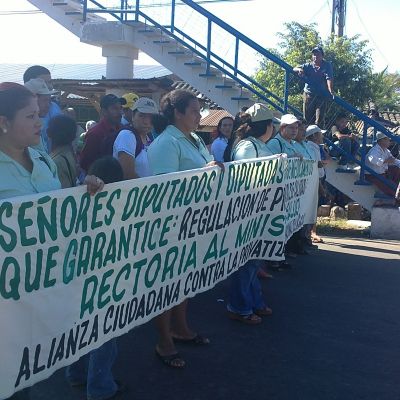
302 148
278 145
172 151
250 147
17 181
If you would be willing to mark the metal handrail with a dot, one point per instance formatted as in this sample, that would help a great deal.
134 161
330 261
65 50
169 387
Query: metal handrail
238 75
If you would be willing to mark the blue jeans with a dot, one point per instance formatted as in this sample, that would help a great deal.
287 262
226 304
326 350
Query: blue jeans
94 369
349 146
245 293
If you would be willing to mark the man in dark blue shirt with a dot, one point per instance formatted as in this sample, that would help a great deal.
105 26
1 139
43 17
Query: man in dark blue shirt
319 86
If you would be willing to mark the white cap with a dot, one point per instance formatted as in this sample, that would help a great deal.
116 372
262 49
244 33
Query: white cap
38 86
260 112
145 106
313 129
288 119
380 135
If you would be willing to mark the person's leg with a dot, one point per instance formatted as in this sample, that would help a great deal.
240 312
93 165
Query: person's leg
393 174
256 290
76 373
320 106
165 348
354 147
100 381
309 108
345 145
240 294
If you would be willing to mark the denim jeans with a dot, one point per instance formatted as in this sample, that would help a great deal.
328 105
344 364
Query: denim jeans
349 146
94 368
245 293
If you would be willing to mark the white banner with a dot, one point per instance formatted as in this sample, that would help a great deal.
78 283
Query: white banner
78 270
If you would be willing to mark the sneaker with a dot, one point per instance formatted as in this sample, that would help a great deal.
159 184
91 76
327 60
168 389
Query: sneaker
343 167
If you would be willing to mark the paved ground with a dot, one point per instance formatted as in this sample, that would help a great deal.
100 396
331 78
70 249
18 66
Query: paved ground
334 335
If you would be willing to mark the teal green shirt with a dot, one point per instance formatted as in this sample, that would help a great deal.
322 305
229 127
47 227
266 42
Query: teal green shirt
17 181
302 148
278 145
250 147
172 151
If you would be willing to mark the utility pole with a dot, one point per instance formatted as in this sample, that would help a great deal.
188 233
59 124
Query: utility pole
338 17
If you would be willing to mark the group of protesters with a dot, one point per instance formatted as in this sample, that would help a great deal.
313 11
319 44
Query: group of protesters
42 149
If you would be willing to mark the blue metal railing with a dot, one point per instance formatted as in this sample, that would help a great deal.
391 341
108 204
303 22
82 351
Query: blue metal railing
212 59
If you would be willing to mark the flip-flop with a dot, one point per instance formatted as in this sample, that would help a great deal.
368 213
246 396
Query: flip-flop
251 319
170 360
198 340
263 312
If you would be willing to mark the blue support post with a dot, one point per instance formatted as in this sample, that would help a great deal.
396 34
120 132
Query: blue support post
286 94
362 180
172 16
137 10
208 46
236 56
84 10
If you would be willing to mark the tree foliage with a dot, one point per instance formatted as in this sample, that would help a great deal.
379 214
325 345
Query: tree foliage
352 62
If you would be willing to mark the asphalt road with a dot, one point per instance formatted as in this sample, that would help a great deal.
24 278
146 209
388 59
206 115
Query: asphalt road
334 334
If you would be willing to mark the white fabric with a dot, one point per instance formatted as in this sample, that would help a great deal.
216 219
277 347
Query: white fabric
315 153
218 148
126 142
376 158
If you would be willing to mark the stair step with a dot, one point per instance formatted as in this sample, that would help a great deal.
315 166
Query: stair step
209 75
345 171
193 63
178 52
59 3
162 42
224 87
146 31
240 98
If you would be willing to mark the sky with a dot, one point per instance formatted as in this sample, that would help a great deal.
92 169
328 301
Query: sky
36 38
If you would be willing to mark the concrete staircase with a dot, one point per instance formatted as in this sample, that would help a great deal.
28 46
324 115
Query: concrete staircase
346 183
130 36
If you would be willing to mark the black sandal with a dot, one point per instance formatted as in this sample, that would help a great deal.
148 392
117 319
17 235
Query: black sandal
170 360
198 340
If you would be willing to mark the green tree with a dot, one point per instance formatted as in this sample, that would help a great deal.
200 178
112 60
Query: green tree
354 79
386 90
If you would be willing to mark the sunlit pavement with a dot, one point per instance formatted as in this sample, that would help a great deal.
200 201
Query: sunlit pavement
334 334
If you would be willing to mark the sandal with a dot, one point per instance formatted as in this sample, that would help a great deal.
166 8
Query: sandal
262 274
250 319
263 312
172 360
197 340
317 239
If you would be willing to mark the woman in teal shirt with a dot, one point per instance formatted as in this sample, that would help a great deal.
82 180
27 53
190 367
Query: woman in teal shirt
178 148
24 170
246 303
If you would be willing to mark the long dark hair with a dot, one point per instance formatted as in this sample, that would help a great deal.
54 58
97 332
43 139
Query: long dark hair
220 124
13 97
179 100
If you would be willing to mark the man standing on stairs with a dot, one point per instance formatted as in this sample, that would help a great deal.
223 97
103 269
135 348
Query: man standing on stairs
318 75
381 161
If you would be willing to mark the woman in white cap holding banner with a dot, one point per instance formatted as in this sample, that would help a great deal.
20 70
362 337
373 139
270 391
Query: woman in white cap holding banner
246 303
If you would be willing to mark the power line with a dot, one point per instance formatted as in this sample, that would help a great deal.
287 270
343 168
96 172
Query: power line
368 34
